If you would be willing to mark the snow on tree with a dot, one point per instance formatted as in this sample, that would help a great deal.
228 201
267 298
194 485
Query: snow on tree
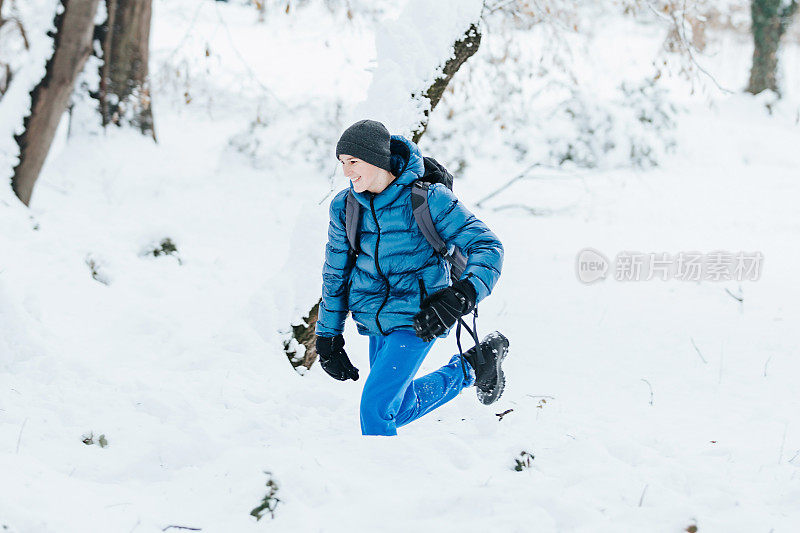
417 55
73 34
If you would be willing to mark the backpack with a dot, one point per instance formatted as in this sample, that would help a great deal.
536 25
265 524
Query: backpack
434 173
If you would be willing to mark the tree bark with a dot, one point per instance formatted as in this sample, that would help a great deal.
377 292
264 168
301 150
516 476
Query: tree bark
304 334
463 49
72 44
124 84
770 22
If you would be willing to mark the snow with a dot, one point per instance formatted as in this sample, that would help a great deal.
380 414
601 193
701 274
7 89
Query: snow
411 52
181 364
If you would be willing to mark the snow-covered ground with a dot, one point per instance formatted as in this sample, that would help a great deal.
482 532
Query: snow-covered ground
647 406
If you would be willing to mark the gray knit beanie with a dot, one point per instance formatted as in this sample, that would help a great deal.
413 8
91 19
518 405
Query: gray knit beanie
369 141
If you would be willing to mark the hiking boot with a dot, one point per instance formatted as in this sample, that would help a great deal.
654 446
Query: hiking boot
489 377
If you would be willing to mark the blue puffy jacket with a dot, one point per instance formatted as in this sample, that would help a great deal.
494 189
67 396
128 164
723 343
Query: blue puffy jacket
381 285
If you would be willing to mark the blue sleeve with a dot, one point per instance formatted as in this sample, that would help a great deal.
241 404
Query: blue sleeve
457 226
335 273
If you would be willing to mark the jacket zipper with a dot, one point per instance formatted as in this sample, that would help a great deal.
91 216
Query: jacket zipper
377 266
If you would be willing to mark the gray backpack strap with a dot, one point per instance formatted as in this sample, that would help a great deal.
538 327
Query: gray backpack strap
458 264
351 212
422 214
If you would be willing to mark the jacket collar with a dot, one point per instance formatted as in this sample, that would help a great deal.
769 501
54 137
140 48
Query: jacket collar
407 161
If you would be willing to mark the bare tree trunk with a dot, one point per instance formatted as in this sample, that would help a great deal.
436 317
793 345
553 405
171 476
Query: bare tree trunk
463 49
49 99
770 22
124 83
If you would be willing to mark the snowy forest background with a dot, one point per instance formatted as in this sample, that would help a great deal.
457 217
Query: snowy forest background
159 270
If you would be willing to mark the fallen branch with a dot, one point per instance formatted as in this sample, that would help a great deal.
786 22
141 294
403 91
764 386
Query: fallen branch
521 176
183 527
530 210
739 298
783 442
651 390
501 415
19 438
698 350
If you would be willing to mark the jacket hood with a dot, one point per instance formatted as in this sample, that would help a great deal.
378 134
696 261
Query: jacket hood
407 165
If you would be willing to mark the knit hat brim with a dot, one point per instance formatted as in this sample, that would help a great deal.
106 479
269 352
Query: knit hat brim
368 140
364 153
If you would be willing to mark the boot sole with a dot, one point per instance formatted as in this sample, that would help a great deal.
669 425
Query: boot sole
500 383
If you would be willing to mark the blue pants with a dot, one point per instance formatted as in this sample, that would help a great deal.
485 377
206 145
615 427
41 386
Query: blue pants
391 396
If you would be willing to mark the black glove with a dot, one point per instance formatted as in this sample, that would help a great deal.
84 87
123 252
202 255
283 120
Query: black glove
442 309
334 359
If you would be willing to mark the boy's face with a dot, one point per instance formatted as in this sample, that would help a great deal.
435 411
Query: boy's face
363 175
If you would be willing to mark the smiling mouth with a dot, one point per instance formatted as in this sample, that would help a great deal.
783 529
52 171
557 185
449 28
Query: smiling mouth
356 179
